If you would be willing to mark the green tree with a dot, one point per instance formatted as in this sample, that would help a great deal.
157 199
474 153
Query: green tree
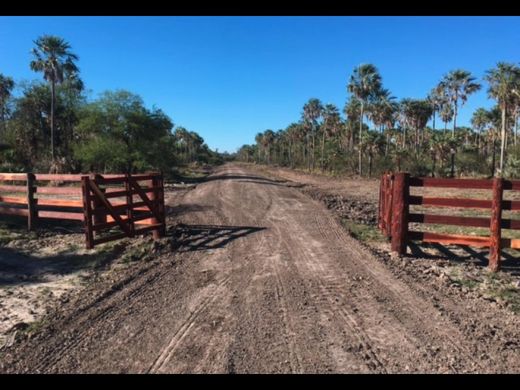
503 80
364 84
52 57
458 85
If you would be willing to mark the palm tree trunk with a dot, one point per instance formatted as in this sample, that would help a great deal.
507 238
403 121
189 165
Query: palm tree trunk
503 145
53 98
323 151
493 159
454 121
360 134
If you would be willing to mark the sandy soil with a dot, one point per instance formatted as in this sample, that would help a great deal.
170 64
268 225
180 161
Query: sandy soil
256 276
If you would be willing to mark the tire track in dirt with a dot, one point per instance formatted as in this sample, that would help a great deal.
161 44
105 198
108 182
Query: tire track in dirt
185 327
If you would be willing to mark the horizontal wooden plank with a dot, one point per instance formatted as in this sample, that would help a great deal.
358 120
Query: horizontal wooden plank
477 241
116 193
58 177
61 215
513 224
13 176
76 191
59 202
148 228
451 183
112 237
13 211
13 199
450 220
142 216
510 243
447 202
13 189
513 205
107 225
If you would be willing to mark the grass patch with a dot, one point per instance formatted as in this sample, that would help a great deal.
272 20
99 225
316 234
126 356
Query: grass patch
362 232
499 287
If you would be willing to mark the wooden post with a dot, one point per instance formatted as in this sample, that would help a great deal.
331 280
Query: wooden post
87 212
158 202
130 205
388 202
32 213
162 209
98 218
381 221
495 228
153 197
400 212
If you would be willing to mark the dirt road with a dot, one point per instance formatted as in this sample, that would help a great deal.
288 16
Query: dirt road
264 279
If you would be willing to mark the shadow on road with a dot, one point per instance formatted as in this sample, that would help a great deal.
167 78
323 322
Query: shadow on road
187 238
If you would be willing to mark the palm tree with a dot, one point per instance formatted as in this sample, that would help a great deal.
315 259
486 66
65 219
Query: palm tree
458 85
503 81
267 141
330 128
352 112
6 86
53 57
312 111
363 84
437 99
480 120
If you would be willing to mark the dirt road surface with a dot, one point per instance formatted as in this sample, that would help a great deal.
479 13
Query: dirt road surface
263 280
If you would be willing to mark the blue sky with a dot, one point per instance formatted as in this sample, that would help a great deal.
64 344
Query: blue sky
230 77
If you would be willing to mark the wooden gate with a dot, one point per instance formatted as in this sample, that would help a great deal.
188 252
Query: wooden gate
141 211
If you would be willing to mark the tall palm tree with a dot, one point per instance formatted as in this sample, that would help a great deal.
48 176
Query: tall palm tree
480 120
52 57
363 84
352 112
312 111
437 99
458 85
330 128
503 81
6 86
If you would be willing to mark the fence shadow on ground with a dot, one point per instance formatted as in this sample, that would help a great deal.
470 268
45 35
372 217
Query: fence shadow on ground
463 254
18 268
188 238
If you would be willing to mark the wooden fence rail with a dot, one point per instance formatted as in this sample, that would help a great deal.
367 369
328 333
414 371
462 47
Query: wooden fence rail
102 202
394 213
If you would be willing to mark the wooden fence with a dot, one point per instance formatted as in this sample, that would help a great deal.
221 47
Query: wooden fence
394 213
102 202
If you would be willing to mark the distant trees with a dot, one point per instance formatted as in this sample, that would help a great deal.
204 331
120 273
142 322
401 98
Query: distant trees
504 83
53 127
398 137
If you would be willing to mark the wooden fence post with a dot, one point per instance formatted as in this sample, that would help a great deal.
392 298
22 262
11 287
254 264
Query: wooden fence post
158 201
400 212
32 213
381 221
98 218
388 202
87 211
129 205
495 228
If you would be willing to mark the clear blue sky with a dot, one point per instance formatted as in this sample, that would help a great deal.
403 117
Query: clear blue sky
230 77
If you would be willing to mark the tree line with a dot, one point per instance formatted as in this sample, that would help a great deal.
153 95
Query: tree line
53 127
378 133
